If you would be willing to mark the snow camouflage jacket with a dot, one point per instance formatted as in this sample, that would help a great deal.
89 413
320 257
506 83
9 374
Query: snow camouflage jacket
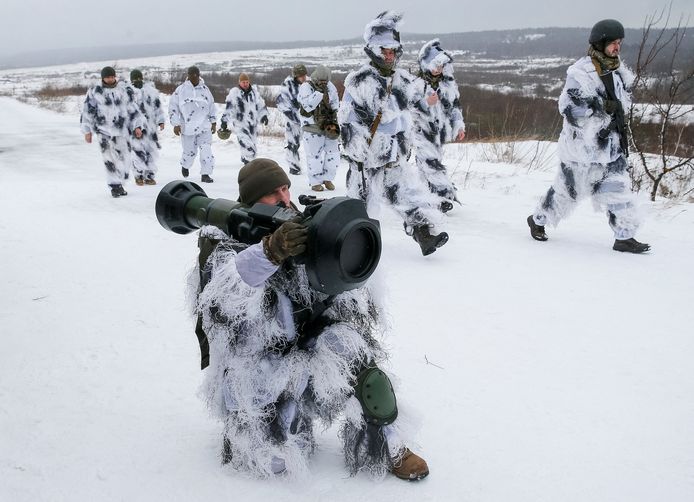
244 108
253 366
582 104
192 108
443 121
149 102
366 93
111 111
287 100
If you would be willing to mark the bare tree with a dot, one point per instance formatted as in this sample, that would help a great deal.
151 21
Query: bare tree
661 125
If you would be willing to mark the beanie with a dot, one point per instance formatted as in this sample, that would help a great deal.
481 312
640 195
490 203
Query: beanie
108 71
243 76
193 70
258 178
136 75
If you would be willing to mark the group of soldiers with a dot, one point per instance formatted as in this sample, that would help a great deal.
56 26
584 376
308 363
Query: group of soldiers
281 355
385 113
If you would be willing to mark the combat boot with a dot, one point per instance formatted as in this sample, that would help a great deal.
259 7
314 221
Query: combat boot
427 242
317 188
630 246
205 178
185 172
410 466
139 181
445 206
294 170
329 185
117 191
537 232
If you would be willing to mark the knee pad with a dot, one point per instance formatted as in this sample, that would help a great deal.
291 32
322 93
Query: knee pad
375 393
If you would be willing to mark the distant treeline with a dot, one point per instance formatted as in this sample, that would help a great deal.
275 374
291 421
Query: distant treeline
502 44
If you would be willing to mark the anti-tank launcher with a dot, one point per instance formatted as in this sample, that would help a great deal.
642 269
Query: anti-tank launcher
343 247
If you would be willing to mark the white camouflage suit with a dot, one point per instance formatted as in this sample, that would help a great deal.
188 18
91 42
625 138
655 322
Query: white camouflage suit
438 123
146 149
591 165
193 108
384 160
288 104
322 153
268 387
245 110
112 114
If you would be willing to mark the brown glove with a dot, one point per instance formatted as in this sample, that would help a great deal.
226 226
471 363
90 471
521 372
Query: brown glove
288 240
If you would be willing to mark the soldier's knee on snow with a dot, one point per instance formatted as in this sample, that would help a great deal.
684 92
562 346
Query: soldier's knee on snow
375 393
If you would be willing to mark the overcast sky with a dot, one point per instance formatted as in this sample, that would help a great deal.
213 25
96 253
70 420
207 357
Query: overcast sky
28 25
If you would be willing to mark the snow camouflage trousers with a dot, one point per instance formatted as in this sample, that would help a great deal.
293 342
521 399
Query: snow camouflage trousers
609 187
247 137
194 142
399 187
322 158
428 158
115 151
292 135
145 152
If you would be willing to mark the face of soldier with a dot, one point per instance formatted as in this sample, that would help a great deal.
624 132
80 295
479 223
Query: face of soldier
301 79
245 84
388 55
194 78
437 71
279 194
612 49
109 81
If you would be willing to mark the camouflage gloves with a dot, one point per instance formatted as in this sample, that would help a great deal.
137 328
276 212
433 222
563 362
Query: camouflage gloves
288 240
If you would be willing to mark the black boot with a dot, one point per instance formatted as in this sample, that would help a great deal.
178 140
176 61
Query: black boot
206 179
429 243
185 172
445 206
536 231
117 191
630 246
294 170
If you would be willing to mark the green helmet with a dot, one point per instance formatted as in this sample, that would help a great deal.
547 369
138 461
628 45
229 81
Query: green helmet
299 70
224 134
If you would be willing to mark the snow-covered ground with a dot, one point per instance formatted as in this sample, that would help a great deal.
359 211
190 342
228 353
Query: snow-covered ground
557 371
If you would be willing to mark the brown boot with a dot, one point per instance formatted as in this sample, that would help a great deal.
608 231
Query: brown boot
329 185
317 188
139 181
410 466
